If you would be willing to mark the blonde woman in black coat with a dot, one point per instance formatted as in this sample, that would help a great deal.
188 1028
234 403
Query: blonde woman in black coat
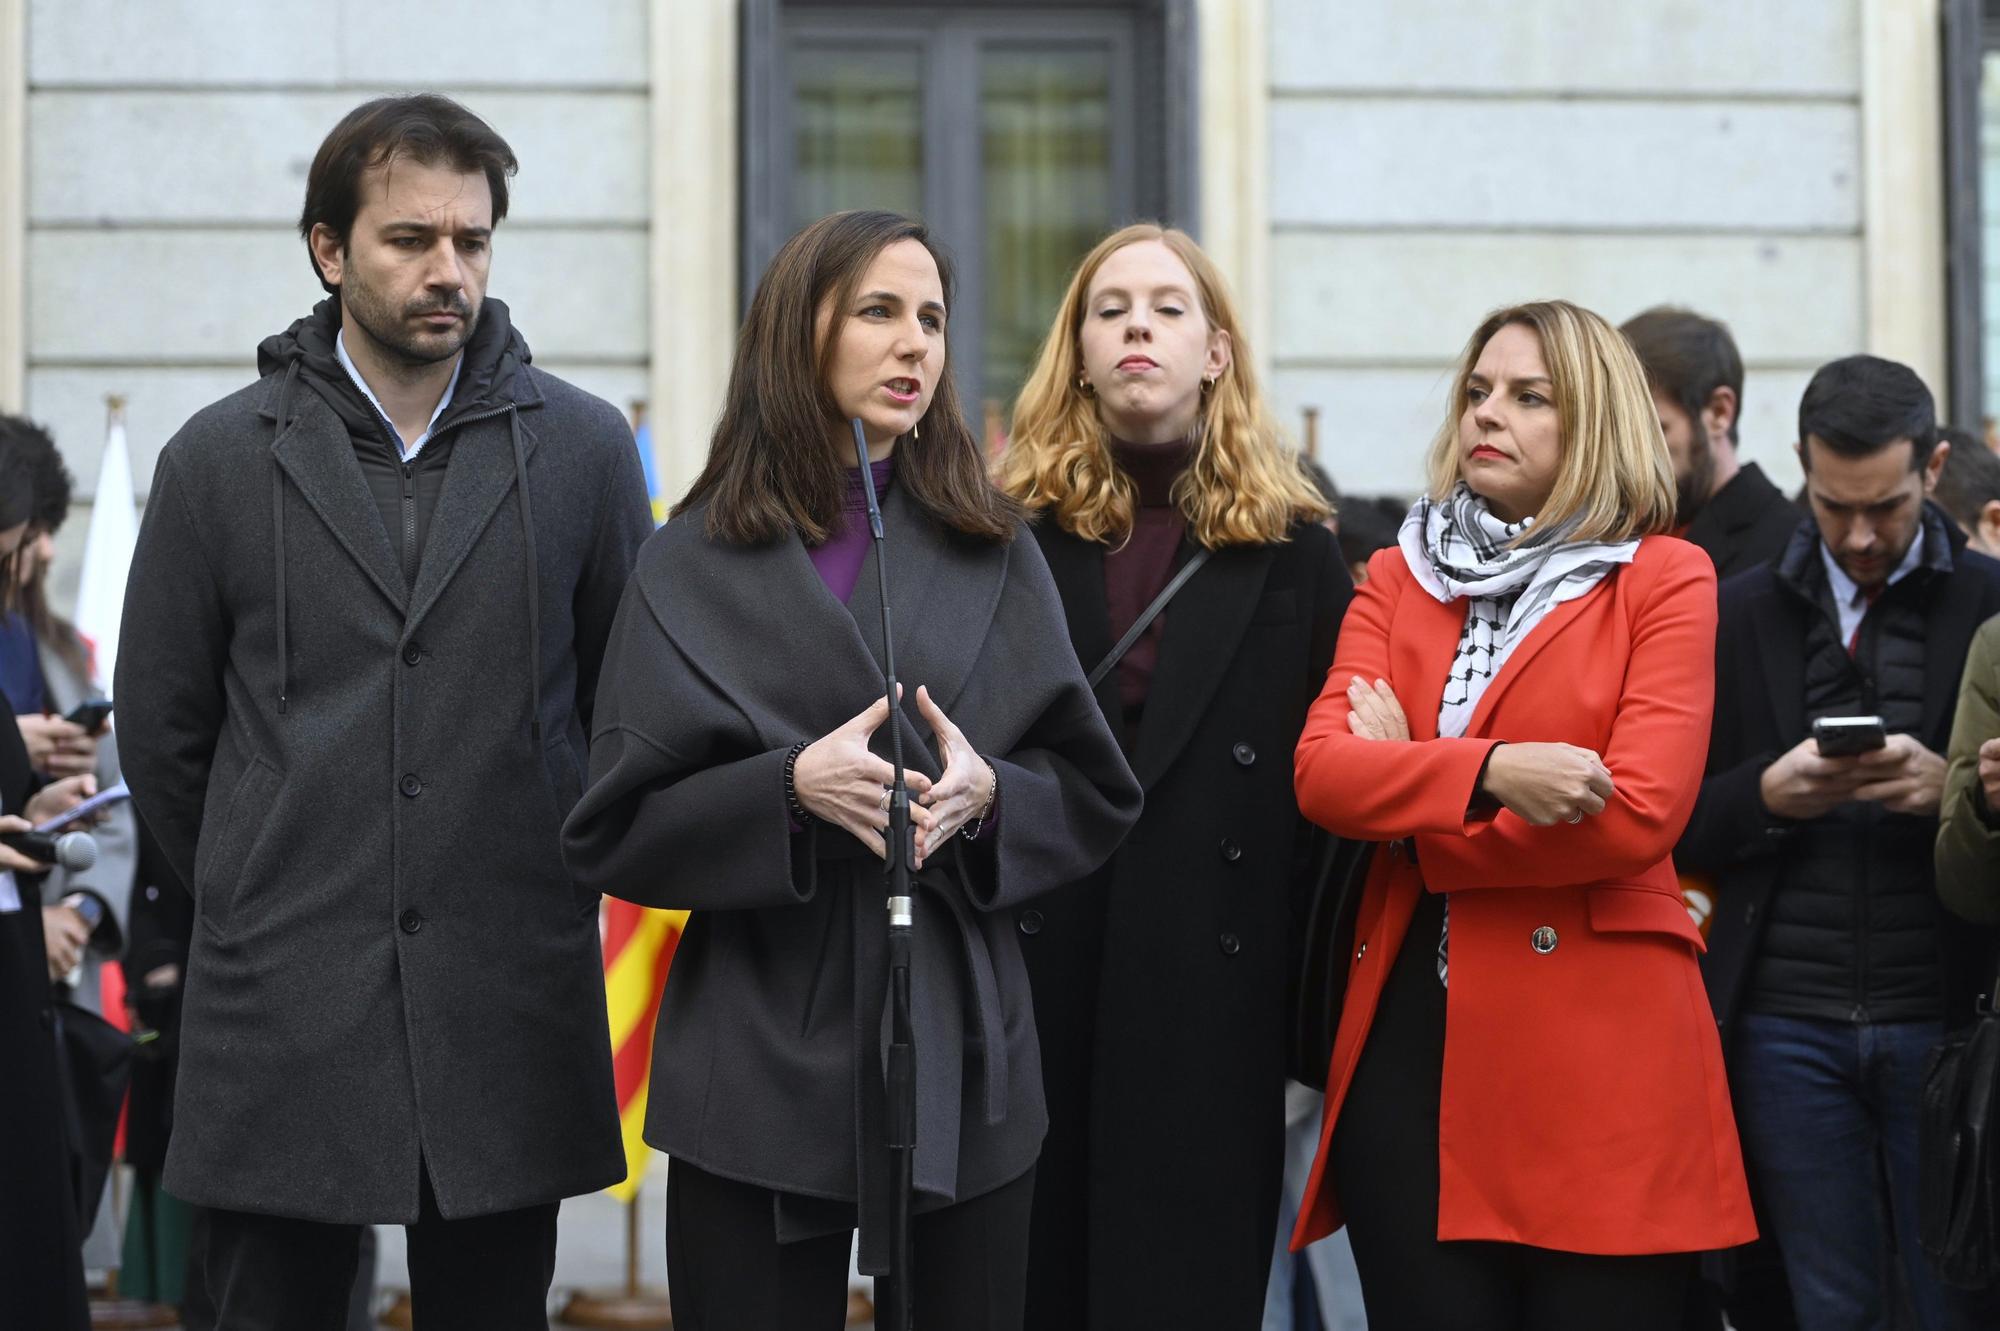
1141 443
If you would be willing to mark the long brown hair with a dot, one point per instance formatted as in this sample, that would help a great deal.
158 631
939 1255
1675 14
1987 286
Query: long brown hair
770 468
1245 486
50 629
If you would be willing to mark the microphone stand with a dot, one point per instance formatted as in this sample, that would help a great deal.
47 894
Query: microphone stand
900 1067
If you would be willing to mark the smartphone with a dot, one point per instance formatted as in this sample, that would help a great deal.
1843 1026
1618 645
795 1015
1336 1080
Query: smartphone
90 715
103 799
1845 736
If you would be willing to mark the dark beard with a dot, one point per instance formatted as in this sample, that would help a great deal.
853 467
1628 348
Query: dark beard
1692 490
391 330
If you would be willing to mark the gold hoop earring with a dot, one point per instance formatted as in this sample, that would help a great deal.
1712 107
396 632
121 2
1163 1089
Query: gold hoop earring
1085 387
1207 387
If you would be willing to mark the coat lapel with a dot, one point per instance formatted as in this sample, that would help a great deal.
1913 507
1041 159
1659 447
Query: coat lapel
476 480
1204 623
317 456
1077 566
943 593
1424 648
1780 639
1527 650
760 623
1950 624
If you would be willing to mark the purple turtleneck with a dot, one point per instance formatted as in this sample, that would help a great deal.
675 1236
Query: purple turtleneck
840 556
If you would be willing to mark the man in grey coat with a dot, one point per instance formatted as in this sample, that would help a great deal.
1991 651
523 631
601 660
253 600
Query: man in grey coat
359 656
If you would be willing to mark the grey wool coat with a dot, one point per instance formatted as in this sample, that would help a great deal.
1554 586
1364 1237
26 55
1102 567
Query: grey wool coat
768 1047
363 782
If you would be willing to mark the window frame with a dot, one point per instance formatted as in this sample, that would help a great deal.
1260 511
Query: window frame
1155 120
1968 31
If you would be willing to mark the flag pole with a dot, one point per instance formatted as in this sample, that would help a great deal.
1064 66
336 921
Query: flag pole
632 1247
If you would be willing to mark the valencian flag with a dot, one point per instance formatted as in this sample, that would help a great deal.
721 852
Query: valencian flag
638 947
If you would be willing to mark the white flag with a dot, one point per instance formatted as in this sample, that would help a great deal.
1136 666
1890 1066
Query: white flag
107 552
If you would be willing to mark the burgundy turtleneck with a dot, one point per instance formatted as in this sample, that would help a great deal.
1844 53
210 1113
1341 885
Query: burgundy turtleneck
1135 572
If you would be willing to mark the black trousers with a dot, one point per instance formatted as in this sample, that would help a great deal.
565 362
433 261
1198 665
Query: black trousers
485 1273
726 1270
1385 1150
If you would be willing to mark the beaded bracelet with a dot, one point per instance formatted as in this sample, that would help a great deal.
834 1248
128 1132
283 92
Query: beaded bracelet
799 813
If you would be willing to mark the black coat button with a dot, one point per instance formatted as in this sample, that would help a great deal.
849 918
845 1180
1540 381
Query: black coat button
411 921
412 653
1230 944
1031 922
1243 754
1230 850
411 786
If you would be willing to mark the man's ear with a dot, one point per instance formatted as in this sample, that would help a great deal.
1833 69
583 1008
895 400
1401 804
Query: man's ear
1718 415
1934 468
1986 528
329 251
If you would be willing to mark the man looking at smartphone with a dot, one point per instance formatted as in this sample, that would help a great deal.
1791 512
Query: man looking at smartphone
1827 966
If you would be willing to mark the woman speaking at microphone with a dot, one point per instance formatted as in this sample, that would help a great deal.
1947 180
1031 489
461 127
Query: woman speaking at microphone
736 771
1527 1123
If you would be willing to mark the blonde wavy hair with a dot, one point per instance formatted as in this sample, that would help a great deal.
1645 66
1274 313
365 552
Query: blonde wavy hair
1245 486
1615 476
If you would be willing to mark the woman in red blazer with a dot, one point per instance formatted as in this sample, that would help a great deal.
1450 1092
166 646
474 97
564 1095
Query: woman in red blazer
1527 1120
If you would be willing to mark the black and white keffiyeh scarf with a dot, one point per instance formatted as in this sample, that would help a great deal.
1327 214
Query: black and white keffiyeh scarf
1457 547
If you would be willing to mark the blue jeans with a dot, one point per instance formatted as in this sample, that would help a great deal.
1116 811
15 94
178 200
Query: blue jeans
1828 1114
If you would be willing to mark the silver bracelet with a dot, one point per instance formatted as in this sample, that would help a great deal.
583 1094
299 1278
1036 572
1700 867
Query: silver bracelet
972 829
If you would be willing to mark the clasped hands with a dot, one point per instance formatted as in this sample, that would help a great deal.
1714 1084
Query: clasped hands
839 779
1540 783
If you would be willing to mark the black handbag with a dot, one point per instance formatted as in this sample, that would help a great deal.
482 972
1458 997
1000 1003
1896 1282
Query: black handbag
1323 934
1958 1153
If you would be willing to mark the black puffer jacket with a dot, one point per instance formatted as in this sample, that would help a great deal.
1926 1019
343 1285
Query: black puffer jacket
1853 923
1763 655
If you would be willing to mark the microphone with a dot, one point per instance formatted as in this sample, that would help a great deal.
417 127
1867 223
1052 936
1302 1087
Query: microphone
70 850
899 1059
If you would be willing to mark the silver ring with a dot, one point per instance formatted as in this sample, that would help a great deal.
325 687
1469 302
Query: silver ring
1576 817
886 792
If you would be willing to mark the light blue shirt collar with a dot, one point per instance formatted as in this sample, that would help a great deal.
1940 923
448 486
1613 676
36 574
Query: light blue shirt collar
1847 596
415 446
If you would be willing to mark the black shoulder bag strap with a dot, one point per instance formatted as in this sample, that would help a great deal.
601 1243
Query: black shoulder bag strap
1147 616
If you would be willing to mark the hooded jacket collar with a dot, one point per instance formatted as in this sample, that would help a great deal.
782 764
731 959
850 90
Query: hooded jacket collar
490 378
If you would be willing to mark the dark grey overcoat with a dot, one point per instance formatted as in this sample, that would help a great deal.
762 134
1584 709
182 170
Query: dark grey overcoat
767 1054
349 773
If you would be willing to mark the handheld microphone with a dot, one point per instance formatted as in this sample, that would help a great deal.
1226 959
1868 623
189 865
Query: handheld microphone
70 850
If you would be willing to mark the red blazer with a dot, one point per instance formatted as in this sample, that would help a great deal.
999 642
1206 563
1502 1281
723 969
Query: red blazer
1585 1107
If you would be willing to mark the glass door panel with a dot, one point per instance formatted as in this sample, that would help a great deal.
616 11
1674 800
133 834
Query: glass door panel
857 118
1046 165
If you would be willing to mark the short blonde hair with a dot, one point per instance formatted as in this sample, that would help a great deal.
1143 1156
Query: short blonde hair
1615 478
1245 486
